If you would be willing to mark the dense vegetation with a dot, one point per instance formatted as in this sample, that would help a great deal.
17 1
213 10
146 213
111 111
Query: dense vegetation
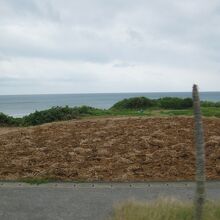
210 104
50 115
142 103
138 106
175 103
136 103
6 120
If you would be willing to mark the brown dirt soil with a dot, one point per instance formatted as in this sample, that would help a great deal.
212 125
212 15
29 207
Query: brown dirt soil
109 149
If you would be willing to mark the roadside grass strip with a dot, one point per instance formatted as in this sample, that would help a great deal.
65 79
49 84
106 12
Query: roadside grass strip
164 209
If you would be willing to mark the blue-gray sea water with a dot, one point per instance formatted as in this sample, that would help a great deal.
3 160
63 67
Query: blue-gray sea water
20 105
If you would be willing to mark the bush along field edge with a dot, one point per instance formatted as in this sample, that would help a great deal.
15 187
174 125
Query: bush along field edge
137 106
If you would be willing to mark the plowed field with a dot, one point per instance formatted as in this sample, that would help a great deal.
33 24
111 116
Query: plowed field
110 149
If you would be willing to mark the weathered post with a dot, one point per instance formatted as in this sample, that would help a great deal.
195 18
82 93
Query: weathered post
200 157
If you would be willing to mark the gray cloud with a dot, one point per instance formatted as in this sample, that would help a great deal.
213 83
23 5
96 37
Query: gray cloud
84 42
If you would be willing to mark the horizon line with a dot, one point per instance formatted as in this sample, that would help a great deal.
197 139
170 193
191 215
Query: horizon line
94 93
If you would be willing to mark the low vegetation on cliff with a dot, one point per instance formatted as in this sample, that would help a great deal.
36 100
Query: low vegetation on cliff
137 106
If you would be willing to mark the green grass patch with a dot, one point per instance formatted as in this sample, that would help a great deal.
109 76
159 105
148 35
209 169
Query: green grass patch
164 209
211 111
184 112
206 111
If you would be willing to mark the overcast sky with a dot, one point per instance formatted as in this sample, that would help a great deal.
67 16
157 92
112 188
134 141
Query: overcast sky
72 46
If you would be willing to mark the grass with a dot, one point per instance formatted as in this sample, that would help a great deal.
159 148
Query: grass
206 111
164 209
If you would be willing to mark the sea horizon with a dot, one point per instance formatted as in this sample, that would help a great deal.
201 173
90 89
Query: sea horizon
85 93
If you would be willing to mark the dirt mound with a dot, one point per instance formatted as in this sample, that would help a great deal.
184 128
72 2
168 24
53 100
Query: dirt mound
111 149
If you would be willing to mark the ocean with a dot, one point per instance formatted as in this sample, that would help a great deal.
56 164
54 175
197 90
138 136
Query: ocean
20 105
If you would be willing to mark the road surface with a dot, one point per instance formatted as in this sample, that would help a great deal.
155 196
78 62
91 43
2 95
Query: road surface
84 201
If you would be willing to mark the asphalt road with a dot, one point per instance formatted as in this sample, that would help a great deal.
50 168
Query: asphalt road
84 201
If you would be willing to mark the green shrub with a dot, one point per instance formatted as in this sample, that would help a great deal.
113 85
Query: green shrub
207 104
139 103
136 103
175 103
8 120
87 110
50 115
210 104
59 114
